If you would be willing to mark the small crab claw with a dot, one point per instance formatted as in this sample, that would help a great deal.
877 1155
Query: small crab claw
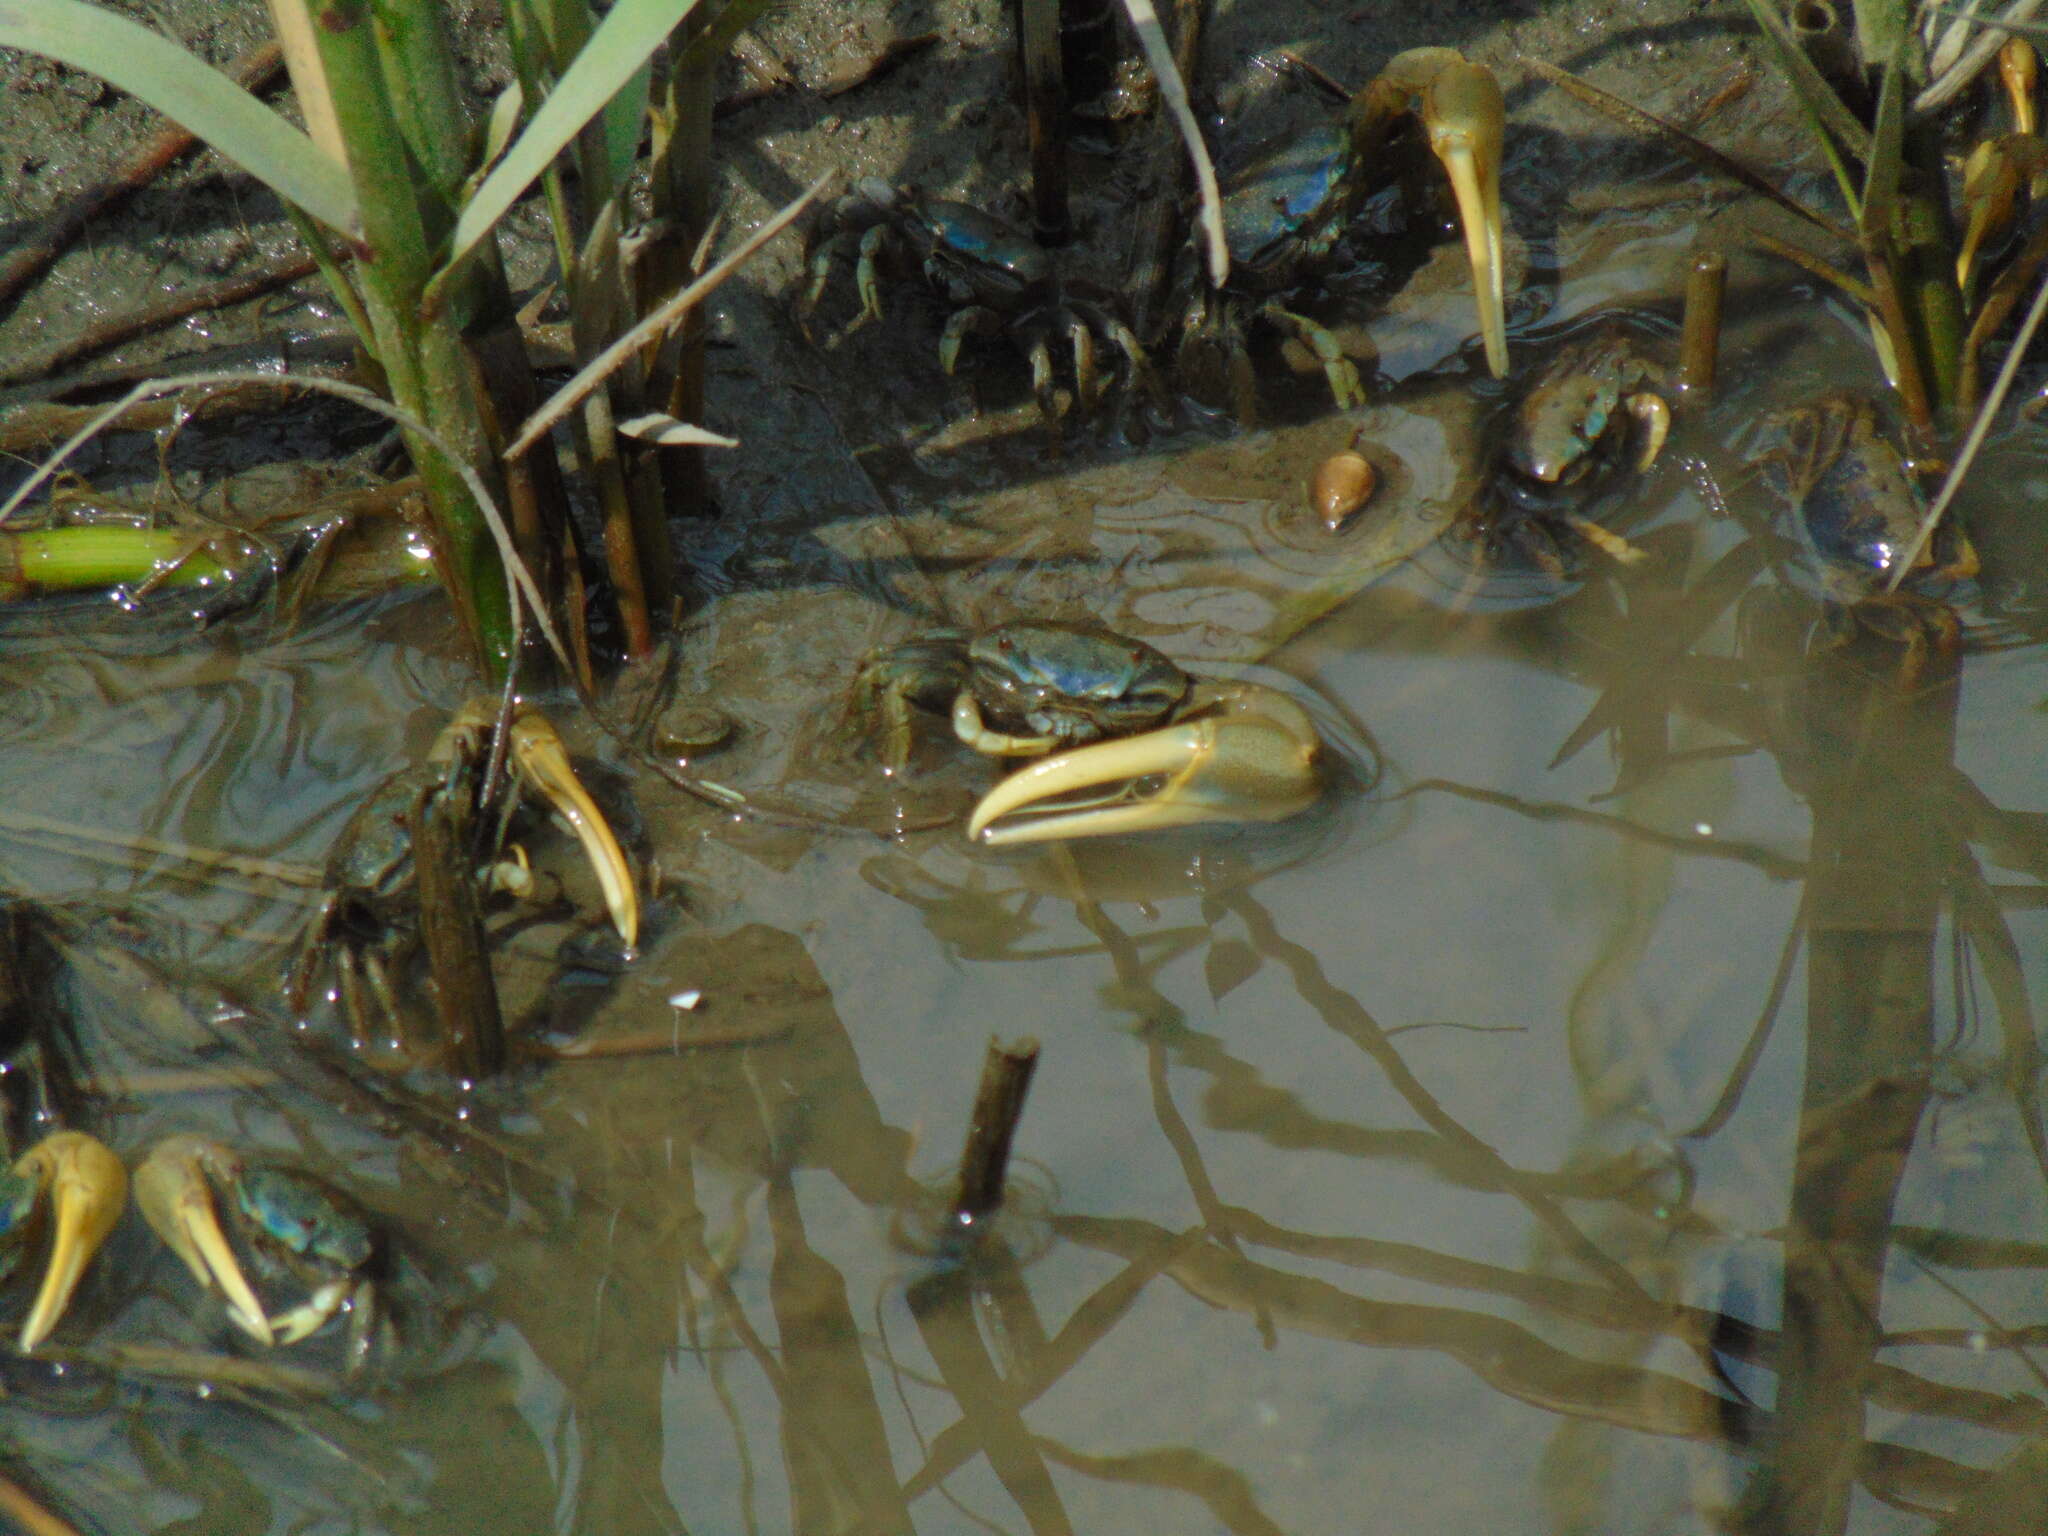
1464 116
1653 418
1239 753
86 1185
544 763
176 1199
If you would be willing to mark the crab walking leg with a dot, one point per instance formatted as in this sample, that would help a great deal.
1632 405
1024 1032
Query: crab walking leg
1242 753
86 1185
1345 388
974 732
544 763
172 1190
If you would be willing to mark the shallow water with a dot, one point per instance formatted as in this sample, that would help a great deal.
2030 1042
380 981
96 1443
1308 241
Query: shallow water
1438 1160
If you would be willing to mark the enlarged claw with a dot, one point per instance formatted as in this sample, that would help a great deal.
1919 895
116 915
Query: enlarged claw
175 1194
291 1227
1465 118
1239 752
85 1186
537 750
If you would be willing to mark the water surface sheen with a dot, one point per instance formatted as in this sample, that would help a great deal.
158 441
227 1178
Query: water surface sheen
1612 1108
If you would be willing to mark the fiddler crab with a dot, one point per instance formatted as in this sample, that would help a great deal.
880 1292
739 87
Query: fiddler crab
288 1230
69 1190
998 280
1288 209
367 919
239 1225
1855 509
1122 740
1592 411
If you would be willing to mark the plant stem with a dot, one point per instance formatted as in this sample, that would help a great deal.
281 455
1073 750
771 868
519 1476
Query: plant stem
426 366
80 559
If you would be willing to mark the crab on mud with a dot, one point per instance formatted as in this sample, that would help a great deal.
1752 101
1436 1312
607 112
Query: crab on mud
239 1225
1854 510
1591 412
998 280
1287 209
1123 739
369 917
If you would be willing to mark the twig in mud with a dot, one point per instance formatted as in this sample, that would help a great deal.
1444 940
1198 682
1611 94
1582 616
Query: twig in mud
656 1043
852 74
271 871
252 71
113 331
1006 1073
1699 344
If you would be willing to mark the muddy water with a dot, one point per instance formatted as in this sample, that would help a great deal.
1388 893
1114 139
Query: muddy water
1438 1160
1611 1108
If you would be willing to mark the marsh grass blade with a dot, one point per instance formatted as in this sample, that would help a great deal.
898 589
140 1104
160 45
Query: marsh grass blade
187 90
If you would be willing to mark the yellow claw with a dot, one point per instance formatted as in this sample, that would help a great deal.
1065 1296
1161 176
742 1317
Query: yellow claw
1994 186
1238 753
176 1199
2016 70
1465 119
86 1185
544 763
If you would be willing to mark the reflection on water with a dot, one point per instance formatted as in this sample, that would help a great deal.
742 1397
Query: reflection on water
1614 1109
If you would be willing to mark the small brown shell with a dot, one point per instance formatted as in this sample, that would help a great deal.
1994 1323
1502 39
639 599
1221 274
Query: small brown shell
1342 484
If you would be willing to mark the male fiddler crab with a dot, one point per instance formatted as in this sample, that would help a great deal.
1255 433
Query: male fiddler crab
998 280
1854 510
1592 411
250 1230
1122 739
368 920
1287 209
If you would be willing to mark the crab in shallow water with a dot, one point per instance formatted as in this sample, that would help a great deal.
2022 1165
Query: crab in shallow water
1287 208
1124 739
998 280
366 925
1854 510
1589 414
239 1225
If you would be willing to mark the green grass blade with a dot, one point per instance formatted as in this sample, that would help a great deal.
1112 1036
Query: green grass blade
625 120
184 88
617 50
1834 125
1887 154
